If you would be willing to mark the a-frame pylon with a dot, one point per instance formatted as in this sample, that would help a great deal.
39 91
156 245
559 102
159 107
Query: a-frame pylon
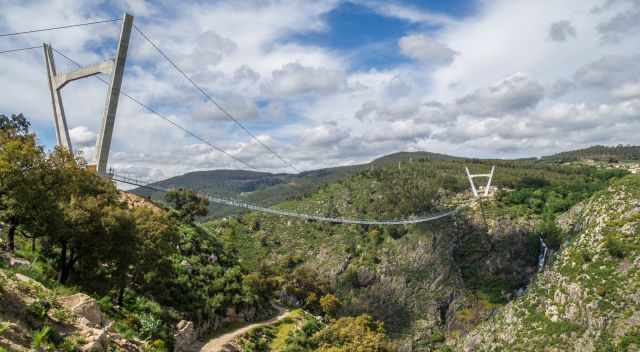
489 176
116 68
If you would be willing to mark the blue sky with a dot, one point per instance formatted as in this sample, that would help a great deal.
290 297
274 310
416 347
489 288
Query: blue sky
338 82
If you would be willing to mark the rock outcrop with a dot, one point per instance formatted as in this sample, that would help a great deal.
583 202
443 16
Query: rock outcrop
588 299
184 337
84 307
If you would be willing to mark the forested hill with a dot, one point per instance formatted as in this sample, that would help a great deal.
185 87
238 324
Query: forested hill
599 153
427 283
272 188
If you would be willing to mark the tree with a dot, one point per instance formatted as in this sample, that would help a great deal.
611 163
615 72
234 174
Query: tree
156 237
329 304
94 232
353 334
21 161
188 204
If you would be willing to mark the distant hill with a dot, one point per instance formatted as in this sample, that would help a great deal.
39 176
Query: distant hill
271 188
598 152
407 156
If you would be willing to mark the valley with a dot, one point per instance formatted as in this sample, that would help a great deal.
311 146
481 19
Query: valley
548 260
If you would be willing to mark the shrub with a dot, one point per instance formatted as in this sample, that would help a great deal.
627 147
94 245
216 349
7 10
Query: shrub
615 247
329 304
360 333
551 233
150 326
38 310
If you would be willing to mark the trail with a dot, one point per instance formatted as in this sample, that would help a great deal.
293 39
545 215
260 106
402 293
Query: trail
217 344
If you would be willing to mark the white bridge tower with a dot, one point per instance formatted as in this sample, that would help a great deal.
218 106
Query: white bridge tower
473 185
116 68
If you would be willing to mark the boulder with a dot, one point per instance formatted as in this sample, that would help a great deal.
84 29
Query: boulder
84 307
31 282
98 340
185 336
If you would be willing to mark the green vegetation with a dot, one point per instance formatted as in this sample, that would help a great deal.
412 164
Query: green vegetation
302 332
555 191
590 280
151 267
315 259
599 152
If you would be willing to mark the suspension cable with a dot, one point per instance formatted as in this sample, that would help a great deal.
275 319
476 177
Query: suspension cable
281 212
59 27
165 118
225 112
20 49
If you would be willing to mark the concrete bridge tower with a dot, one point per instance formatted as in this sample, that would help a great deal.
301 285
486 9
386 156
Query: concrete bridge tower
116 68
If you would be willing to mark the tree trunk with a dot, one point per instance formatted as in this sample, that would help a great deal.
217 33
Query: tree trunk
121 296
11 238
62 265
33 244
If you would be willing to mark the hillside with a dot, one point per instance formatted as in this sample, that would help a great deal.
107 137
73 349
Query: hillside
588 298
549 257
268 188
429 281
598 153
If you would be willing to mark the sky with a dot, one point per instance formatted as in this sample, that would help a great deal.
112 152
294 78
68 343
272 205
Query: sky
335 82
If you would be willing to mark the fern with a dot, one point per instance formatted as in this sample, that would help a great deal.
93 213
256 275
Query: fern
3 327
39 338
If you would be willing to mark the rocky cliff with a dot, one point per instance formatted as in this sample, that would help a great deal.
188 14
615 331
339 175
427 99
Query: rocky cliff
588 297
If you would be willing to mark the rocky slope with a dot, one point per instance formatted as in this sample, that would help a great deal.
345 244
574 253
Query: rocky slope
35 318
424 281
588 298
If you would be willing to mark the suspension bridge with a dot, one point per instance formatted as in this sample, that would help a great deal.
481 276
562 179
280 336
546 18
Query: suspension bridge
115 68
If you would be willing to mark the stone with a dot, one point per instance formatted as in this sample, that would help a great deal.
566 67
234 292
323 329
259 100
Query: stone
29 281
98 342
185 336
84 307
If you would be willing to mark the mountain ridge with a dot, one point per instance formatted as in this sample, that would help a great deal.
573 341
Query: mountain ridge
269 189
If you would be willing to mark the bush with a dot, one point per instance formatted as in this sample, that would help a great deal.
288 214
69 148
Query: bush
360 333
150 326
329 304
550 233
38 310
615 247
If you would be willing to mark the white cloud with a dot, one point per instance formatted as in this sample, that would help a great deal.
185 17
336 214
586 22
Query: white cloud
319 106
407 13
608 71
629 90
624 21
561 31
423 48
516 92
324 136
294 78
81 136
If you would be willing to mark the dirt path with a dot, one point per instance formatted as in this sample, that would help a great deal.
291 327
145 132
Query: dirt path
217 344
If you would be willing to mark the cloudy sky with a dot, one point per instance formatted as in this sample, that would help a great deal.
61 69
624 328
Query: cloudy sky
335 82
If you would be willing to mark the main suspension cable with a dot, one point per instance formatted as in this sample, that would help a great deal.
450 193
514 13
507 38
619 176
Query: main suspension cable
175 124
226 113
281 212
